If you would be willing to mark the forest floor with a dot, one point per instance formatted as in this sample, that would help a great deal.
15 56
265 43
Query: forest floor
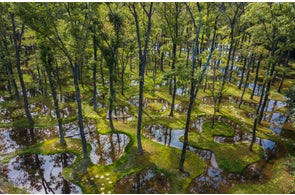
162 159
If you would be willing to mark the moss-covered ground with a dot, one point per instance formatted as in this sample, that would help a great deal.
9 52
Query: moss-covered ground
230 157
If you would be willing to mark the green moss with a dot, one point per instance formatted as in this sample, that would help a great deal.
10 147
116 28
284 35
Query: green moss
230 157
281 182
155 106
8 188
220 128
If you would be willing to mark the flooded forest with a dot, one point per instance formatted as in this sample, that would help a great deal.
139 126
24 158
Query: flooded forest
131 97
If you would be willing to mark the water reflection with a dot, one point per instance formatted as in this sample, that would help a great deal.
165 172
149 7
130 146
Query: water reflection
134 100
13 138
106 149
143 182
41 174
121 113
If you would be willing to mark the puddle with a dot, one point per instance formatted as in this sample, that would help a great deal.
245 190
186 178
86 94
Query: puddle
143 182
41 174
120 113
182 91
197 124
12 138
106 149
134 100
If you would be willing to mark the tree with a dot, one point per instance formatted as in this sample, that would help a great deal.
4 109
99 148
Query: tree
148 10
109 44
48 61
17 41
196 84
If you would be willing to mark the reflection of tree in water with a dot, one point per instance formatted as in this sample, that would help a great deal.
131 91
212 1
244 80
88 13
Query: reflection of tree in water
107 148
41 174
22 137
144 182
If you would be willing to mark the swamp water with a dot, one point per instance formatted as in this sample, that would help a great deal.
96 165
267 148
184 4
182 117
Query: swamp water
147 181
214 179
106 149
41 174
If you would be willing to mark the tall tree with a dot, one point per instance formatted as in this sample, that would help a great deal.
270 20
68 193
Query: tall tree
196 83
17 41
48 62
142 52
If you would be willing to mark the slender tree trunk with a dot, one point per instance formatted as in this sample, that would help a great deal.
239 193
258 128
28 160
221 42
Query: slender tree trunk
17 39
284 72
256 119
213 96
256 77
162 62
94 74
233 61
142 59
193 90
48 68
243 71
111 98
232 25
245 84
58 80
10 70
80 118
174 57
272 68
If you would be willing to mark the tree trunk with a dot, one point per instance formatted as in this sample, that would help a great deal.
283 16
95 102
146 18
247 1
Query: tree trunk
256 77
232 61
111 106
142 59
193 90
58 80
17 39
272 68
10 70
94 74
243 70
48 68
284 72
80 118
256 119
245 84
174 57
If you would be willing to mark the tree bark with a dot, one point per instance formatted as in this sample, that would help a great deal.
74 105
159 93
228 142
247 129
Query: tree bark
256 77
17 40
284 72
142 59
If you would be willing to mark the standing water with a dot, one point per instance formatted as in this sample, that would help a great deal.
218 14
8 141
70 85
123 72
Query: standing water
41 174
